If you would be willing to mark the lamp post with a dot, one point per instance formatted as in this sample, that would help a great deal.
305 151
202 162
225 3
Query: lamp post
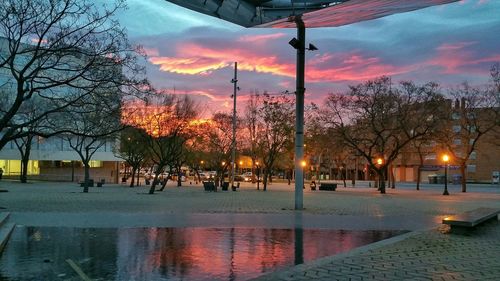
380 161
446 158
258 174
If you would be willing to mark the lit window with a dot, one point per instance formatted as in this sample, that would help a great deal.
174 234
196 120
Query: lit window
95 164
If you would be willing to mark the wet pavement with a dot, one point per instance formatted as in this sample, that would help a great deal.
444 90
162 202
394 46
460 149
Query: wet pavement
360 208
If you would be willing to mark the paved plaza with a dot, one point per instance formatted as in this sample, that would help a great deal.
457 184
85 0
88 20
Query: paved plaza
426 253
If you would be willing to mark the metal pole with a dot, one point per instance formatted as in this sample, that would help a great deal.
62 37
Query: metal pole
446 179
299 114
233 144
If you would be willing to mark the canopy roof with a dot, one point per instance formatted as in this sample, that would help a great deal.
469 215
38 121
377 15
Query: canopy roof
315 13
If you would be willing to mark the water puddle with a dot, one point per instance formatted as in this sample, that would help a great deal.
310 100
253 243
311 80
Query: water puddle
45 253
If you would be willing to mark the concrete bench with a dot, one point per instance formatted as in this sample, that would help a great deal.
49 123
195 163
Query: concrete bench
472 218
328 186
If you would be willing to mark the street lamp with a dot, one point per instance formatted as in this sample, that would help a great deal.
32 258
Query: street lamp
380 161
258 174
446 158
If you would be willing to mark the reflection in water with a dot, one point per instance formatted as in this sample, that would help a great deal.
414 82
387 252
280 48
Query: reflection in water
169 253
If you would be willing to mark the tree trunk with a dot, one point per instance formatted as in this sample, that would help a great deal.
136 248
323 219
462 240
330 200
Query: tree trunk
393 178
381 180
133 177
86 181
419 172
264 180
24 164
179 177
153 184
464 180
155 179
419 176
138 175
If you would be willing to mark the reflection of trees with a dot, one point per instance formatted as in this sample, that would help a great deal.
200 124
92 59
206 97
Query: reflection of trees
43 252
170 253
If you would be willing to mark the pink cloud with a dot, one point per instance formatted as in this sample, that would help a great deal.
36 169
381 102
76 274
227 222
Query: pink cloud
151 52
454 58
196 59
260 38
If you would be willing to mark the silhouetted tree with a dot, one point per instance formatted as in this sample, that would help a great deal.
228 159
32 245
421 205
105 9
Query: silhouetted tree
377 119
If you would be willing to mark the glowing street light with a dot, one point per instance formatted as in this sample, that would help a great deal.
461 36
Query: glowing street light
446 159
380 161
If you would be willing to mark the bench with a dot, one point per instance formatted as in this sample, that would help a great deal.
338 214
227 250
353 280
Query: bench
91 183
209 186
328 186
472 218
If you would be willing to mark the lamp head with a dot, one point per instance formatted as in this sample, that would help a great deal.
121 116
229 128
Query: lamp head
312 47
380 161
446 158
294 43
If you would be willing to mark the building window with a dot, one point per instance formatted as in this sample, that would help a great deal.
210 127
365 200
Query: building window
95 164
455 116
431 156
457 141
471 168
457 128
473 155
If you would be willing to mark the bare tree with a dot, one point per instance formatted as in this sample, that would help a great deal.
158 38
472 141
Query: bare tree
90 124
132 151
276 118
52 51
218 143
474 115
166 120
377 119
250 120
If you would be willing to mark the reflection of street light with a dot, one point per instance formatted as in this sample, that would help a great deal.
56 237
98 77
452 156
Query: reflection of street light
446 158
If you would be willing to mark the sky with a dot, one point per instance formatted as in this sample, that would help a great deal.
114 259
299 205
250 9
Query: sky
190 53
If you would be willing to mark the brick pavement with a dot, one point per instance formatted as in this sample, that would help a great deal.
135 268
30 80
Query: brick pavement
364 207
421 255
424 255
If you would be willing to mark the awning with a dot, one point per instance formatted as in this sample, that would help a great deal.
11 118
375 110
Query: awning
315 13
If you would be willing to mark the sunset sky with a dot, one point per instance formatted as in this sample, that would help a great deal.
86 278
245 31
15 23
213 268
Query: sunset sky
194 54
